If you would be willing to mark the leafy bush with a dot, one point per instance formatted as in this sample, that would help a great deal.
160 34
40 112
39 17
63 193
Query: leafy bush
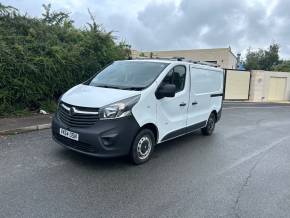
40 58
283 66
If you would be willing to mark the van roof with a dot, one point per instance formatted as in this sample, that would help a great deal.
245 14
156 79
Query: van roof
167 61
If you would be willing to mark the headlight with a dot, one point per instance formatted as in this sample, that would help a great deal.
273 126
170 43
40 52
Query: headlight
58 101
118 109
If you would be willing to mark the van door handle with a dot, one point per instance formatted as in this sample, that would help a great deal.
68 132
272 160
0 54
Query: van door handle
194 103
182 104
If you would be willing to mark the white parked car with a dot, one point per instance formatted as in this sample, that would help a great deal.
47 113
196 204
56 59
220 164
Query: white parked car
130 106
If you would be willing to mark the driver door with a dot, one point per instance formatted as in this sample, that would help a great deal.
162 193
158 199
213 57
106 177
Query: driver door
172 112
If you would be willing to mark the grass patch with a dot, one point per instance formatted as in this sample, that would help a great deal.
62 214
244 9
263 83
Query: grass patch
48 106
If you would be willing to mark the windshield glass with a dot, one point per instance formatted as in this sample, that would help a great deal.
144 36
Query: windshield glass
128 75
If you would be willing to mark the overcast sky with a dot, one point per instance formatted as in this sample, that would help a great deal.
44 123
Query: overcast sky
182 24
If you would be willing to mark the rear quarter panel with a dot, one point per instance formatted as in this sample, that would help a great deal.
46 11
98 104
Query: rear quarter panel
205 82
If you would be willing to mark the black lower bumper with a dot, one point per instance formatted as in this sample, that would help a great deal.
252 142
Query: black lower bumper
219 114
106 138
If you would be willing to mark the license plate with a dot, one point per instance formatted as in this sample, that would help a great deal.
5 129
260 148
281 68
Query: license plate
69 134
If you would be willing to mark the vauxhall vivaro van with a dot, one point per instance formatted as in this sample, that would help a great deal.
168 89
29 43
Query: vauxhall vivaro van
130 106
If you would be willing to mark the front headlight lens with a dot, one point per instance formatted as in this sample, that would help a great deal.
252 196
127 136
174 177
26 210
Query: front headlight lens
58 102
119 109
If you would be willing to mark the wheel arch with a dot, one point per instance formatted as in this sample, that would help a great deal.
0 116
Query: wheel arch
215 114
153 128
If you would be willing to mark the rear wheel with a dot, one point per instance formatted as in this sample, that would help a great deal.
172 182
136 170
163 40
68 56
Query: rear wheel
143 147
209 128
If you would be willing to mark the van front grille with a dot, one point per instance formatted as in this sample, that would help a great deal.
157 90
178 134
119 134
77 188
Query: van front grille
76 116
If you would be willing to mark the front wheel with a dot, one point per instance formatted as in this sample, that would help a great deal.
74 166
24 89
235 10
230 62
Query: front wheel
143 147
209 128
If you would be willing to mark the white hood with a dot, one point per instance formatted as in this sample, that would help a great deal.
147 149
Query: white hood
95 97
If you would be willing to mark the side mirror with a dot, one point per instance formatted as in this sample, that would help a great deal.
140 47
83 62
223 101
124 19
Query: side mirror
166 90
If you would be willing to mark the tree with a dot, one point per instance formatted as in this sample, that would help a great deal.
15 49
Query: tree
54 18
262 59
284 66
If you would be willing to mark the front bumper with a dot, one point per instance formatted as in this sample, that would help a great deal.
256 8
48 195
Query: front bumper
219 114
106 138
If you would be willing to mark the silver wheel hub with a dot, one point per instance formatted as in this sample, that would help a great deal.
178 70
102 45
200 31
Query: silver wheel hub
144 147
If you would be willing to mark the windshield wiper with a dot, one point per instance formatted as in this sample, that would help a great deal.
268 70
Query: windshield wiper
119 87
109 87
133 88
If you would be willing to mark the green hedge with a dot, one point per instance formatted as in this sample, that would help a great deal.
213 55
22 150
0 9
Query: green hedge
40 58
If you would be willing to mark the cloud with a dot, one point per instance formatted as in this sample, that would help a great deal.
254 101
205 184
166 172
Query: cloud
183 24
218 23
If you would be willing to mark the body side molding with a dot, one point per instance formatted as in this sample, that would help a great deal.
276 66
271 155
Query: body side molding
184 131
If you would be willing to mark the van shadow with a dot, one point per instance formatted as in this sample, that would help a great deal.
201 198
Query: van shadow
90 162
168 148
178 145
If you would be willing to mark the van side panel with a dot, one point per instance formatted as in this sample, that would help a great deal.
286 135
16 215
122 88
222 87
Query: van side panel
145 110
205 87
205 95
217 97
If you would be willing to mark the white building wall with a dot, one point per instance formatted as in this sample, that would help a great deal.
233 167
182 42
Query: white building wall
260 84
222 56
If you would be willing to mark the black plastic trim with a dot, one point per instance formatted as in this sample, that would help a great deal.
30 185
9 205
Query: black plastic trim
224 85
184 131
106 138
217 95
219 114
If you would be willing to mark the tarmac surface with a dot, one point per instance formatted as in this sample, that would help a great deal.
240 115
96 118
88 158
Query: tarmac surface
242 170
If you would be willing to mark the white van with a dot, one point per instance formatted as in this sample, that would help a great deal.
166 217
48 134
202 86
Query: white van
130 106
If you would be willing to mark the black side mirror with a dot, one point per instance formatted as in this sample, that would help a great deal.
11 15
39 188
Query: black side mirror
166 90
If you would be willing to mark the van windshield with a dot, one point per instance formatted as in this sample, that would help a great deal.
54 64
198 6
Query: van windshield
131 75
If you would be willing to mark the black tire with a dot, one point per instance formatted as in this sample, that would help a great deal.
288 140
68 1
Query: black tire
209 128
142 147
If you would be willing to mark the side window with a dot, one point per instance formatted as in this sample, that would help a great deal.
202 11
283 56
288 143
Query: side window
168 79
176 76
